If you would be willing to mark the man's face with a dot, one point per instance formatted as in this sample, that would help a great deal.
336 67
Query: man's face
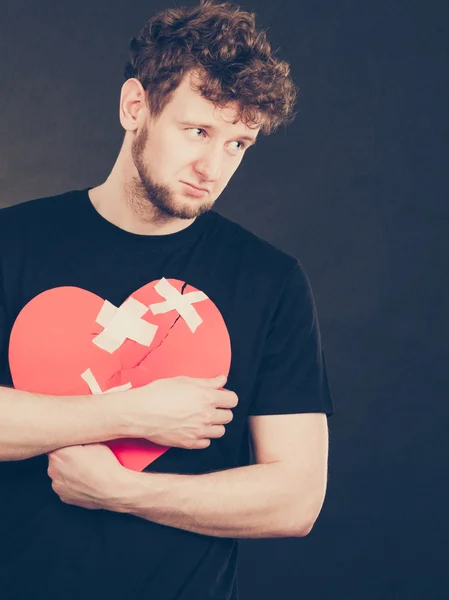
191 142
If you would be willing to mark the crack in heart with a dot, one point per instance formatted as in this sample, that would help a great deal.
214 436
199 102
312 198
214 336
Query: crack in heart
151 350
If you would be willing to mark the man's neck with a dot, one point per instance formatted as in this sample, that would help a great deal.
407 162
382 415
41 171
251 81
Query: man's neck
116 206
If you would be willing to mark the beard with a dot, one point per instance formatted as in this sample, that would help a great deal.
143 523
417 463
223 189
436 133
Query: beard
155 202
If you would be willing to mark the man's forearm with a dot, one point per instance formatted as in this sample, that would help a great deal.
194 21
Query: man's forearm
32 424
247 502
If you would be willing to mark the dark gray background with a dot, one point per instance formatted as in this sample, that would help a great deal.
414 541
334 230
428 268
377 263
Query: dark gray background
356 188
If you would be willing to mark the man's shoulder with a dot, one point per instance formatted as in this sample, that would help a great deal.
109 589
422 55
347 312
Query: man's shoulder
32 207
34 218
253 249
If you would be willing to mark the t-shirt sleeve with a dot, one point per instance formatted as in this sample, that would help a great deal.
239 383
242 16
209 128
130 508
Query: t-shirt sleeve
292 377
5 376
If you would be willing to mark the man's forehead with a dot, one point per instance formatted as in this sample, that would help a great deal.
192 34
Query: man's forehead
189 106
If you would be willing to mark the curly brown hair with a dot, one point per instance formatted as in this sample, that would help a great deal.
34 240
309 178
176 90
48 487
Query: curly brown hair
233 58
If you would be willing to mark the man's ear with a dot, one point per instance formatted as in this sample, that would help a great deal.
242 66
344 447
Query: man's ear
133 105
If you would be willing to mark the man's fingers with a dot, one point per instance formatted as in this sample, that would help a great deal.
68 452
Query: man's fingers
223 416
225 399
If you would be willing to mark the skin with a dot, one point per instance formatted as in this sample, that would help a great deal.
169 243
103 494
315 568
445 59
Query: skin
143 193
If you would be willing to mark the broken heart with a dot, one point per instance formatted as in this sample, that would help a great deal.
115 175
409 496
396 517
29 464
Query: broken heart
68 341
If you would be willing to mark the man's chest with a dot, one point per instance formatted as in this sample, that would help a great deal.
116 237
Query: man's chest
96 323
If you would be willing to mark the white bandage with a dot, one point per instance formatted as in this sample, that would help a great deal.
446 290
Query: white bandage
122 323
89 378
182 303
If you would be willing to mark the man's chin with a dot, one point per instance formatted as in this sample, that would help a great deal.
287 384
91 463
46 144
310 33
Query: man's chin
187 209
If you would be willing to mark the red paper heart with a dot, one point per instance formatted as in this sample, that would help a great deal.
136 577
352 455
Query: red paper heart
51 345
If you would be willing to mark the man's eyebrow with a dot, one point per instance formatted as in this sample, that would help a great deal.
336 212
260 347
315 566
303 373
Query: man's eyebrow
211 127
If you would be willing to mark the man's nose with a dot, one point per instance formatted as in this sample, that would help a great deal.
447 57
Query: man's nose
209 166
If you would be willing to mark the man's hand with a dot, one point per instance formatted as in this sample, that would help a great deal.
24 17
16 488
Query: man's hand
87 476
184 412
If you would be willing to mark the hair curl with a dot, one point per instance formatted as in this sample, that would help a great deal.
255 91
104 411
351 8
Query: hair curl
232 57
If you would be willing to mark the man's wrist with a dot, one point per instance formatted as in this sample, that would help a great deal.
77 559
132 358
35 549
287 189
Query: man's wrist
131 492
124 419
116 416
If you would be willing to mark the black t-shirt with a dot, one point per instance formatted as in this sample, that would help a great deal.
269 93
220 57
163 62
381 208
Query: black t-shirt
54 550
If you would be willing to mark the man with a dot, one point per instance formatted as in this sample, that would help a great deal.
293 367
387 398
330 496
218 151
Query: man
125 457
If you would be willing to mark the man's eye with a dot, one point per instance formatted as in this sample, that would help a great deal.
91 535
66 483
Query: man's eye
196 129
242 145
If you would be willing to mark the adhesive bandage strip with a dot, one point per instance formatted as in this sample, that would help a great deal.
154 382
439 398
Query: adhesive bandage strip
89 378
123 323
182 303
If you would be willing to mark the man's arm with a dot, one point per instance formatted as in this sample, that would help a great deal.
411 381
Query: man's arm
32 424
258 501
281 496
